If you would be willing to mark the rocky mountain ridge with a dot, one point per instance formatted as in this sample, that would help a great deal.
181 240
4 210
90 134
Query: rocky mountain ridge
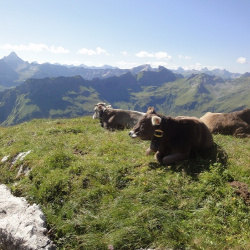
14 71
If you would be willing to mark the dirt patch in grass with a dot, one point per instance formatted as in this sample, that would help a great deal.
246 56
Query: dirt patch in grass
241 189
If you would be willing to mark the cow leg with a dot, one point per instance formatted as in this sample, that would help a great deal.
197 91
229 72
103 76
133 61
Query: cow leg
158 157
105 125
169 159
242 132
109 125
148 151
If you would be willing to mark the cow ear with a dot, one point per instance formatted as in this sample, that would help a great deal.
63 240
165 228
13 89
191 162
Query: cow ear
156 120
151 110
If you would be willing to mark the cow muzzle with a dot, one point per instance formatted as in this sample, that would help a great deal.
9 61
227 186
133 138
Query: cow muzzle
132 134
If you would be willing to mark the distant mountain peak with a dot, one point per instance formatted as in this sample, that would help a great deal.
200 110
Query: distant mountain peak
164 70
161 68
13 54
143 67
13 60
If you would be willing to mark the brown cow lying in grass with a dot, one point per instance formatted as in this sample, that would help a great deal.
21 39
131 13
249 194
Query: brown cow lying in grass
116 118
236 123
172 138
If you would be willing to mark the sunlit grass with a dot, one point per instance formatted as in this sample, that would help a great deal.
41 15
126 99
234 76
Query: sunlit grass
98 189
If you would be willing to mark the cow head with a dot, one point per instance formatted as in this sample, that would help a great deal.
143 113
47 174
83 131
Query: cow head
146 127
99 107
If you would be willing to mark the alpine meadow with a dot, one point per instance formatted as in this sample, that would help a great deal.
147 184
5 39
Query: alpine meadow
96 187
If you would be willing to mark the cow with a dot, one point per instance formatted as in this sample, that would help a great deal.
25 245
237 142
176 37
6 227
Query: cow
173 139
235 123
116 118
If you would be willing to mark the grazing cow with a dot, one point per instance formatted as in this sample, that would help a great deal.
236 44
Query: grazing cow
236 123
116 118
172 138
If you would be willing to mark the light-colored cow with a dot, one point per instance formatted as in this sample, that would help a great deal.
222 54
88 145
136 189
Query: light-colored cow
235 123
116 118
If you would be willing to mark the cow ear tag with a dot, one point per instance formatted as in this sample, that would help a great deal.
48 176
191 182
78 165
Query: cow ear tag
156 120
158 133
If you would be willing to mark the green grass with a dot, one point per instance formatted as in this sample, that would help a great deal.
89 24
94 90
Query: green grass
97 188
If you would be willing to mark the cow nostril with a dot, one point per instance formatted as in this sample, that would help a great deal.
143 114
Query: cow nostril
132 134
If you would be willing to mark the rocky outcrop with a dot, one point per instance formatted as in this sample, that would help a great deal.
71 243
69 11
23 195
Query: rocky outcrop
23 222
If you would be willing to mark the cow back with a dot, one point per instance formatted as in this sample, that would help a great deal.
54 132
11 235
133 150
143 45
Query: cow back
119 118
236 123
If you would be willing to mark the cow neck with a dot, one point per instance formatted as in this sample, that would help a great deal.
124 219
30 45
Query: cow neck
101 117
158 135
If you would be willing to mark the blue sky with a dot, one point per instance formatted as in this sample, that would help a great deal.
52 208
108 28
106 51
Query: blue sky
192 34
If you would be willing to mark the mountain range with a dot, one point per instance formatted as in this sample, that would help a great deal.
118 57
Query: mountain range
170 93
14 71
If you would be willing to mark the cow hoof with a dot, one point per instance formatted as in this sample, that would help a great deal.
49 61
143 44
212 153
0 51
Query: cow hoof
148 151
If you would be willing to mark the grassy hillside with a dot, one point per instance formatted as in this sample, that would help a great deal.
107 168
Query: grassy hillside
64 97
193 96
98 189
70 97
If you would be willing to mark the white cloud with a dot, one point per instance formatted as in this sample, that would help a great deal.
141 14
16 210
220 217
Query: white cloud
87 52
163 55
34 47
185 57
22 47
101 51
126 65
242 60
157 55
124 53
144 54
58 50
90 52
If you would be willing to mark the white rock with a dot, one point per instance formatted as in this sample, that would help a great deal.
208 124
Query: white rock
20 157
23 221
5 158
